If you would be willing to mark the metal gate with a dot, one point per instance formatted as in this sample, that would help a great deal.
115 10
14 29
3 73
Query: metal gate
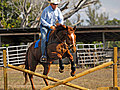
15 54
90 53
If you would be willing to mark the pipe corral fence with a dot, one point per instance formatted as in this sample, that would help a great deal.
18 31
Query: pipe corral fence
15 54
86 54
17 57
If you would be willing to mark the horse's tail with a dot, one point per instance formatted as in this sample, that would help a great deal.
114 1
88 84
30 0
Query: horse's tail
26 67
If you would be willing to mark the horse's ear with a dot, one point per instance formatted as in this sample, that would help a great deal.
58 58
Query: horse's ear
64 26
74 28
58 24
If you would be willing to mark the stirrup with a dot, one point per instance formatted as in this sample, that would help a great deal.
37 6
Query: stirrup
43 58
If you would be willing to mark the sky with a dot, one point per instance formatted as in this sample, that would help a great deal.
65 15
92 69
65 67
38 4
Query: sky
112 7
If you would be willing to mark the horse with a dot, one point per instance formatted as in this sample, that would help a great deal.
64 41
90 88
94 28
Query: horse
61 41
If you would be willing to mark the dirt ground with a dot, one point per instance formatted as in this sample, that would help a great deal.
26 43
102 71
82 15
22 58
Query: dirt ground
100 78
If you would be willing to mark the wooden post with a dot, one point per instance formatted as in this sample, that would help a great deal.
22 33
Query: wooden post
115 68
5 69
103 39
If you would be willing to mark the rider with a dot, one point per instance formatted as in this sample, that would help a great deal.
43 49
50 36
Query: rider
49 16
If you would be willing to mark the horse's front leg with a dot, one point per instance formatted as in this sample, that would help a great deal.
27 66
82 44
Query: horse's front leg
73 69
56 56
61 67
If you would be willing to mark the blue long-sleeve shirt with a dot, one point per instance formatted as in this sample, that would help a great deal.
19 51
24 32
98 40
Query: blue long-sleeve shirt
50 16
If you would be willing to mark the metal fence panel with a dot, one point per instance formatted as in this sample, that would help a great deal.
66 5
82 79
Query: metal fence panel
90 53
15 54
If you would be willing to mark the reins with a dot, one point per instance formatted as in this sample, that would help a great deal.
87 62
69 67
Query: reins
60 40
62 30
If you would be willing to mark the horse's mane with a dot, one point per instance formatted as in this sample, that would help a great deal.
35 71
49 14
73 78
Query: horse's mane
58 28
58 31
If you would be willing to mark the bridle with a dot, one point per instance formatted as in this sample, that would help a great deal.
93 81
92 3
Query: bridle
71 44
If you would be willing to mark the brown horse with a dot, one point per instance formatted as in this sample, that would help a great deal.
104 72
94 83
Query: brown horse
61 40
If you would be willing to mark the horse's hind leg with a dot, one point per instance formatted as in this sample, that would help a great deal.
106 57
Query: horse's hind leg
61 67
46 71
32 68
25 74
31 80
26 78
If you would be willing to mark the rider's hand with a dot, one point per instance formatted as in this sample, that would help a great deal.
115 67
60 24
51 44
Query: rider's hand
52 27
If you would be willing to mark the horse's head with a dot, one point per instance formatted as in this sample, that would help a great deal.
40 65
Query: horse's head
65 33
71 38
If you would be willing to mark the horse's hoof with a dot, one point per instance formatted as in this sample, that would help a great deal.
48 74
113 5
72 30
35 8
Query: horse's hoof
61 71
33 89
72 74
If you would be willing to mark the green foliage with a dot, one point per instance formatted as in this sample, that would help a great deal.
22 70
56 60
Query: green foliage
8 18
113 22
5 45
112 44
9 15
68 22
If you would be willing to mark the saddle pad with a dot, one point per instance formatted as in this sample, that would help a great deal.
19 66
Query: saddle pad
37 43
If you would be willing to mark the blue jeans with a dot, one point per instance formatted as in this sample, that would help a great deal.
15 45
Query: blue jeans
43 39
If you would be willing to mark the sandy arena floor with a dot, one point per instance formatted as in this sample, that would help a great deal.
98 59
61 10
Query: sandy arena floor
100 78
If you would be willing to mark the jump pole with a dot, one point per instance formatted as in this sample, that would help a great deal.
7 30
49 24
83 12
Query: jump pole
46 77
5 70
78 75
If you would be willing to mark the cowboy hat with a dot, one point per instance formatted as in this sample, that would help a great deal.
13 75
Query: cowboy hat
54 1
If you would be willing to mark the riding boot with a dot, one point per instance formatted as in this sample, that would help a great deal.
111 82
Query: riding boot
43 58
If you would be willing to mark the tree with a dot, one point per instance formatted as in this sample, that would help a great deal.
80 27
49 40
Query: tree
95 18
113 22
67 22
3 13
26 13
8 18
